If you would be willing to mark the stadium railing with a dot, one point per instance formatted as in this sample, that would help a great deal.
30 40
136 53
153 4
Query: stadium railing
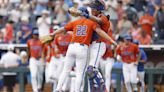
150 71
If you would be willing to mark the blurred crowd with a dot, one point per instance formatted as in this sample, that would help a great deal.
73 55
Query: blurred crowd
142 19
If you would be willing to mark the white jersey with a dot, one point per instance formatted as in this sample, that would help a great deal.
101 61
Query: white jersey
9 59
44 26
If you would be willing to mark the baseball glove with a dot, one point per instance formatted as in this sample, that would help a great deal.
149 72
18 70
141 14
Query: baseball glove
74 12
46 39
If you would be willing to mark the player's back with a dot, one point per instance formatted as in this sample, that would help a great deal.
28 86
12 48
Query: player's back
82 30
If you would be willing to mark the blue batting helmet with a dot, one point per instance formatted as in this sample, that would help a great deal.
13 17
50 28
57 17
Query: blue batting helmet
83 9
136 42
127 37
35 31
98 5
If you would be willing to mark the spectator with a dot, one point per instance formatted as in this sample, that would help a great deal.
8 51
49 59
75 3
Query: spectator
146 21
124 26
8 37
25 29
9 60
1 37
75 5
40 6
151 6
25 8
15 14
159 16
3 10
131 13
135 30
61 12
111 10
144 38
120 10
139 6
44 24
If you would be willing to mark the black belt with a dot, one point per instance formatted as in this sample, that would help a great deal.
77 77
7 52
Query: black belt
78 43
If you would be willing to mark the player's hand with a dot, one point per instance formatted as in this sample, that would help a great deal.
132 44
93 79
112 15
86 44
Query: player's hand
74 12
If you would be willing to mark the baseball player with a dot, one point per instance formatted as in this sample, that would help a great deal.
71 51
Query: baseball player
129 53
61 42
107 62
98 47
141 71
78 49
36 62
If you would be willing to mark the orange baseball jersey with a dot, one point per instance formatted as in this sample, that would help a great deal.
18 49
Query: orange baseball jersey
105 26
146 23
49 51
62 41
129 53
35 48
82 30
109 52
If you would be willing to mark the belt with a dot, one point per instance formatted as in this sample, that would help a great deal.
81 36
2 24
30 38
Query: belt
78 43
96 41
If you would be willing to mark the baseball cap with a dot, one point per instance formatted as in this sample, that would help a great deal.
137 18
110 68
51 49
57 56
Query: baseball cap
45 11
24 18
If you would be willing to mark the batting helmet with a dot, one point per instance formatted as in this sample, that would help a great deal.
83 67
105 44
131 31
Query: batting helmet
84 9
98 5
136 42
35 31
127 37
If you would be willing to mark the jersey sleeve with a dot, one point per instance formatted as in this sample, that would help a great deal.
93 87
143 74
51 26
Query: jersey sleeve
94 26
104 19
136 49
28 43
69 26
118 50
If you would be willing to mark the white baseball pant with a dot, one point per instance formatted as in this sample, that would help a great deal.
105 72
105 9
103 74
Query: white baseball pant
130 76
76 54
106 68
37 70
97 50
141 76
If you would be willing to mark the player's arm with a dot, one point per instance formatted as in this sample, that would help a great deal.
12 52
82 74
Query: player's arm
101 33
67 27
138 53
143 57
117 54
96 19
59 31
